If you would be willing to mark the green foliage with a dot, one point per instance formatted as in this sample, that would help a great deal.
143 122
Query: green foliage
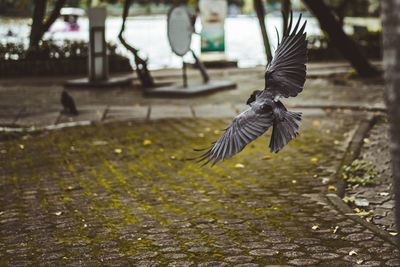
357 8
15 7
73 3
320 47
360 172
49 50
54 59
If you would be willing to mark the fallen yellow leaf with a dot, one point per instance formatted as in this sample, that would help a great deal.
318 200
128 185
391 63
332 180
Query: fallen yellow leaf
332 187
58 213
200 135
336 142
21 147
314 159
267 157
216 131
315 227
146 142
393 233
351 253
118 150
294 181
366 140
69 188
172 157
360 262
335 230
239 166
357 210
316 123
207 129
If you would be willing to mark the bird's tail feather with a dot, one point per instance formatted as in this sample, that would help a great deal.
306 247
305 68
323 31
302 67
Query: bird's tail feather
284 130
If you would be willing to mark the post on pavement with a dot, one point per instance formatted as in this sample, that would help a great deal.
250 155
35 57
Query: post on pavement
98 61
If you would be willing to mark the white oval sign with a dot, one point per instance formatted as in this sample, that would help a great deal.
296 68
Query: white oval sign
180 30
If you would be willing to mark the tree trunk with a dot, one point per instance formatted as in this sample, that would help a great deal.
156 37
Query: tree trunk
141 65
39 27
391 60
259 8
37 23
347 47
340 12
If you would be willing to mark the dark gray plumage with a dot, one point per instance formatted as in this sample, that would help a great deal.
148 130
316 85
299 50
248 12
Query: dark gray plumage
284 77
68 103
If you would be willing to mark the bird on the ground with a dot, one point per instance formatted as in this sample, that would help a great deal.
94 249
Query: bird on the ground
68 103
284 77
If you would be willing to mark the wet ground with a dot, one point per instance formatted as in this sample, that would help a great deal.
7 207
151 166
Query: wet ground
121 191
124 193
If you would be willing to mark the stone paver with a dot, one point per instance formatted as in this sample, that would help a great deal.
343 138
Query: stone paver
218 111
170 111
86 113
9 115
38 117
97 195
126 113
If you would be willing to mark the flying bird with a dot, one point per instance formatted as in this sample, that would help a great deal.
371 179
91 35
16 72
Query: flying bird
284 77
68 103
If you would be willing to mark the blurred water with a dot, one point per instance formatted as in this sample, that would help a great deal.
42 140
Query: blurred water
149 35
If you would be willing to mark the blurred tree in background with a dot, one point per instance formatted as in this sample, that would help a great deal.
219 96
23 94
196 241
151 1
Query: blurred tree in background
330 14
40 22
333 27
355 8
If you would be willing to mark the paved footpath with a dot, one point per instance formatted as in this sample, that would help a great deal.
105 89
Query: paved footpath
123 193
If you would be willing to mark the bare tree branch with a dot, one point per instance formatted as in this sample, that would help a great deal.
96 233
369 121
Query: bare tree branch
141 65
54 14
285 8
259 8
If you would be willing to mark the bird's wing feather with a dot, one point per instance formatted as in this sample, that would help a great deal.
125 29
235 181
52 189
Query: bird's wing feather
286 73
246 127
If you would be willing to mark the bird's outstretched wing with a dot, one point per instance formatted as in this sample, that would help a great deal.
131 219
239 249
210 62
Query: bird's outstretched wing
286 73
246 127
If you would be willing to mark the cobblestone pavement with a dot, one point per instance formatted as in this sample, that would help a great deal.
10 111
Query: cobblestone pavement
124 193
379 197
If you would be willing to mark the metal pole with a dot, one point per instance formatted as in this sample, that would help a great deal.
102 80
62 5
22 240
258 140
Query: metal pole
202 68
184 75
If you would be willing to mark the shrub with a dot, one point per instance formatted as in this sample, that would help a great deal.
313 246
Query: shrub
68 57
360 172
